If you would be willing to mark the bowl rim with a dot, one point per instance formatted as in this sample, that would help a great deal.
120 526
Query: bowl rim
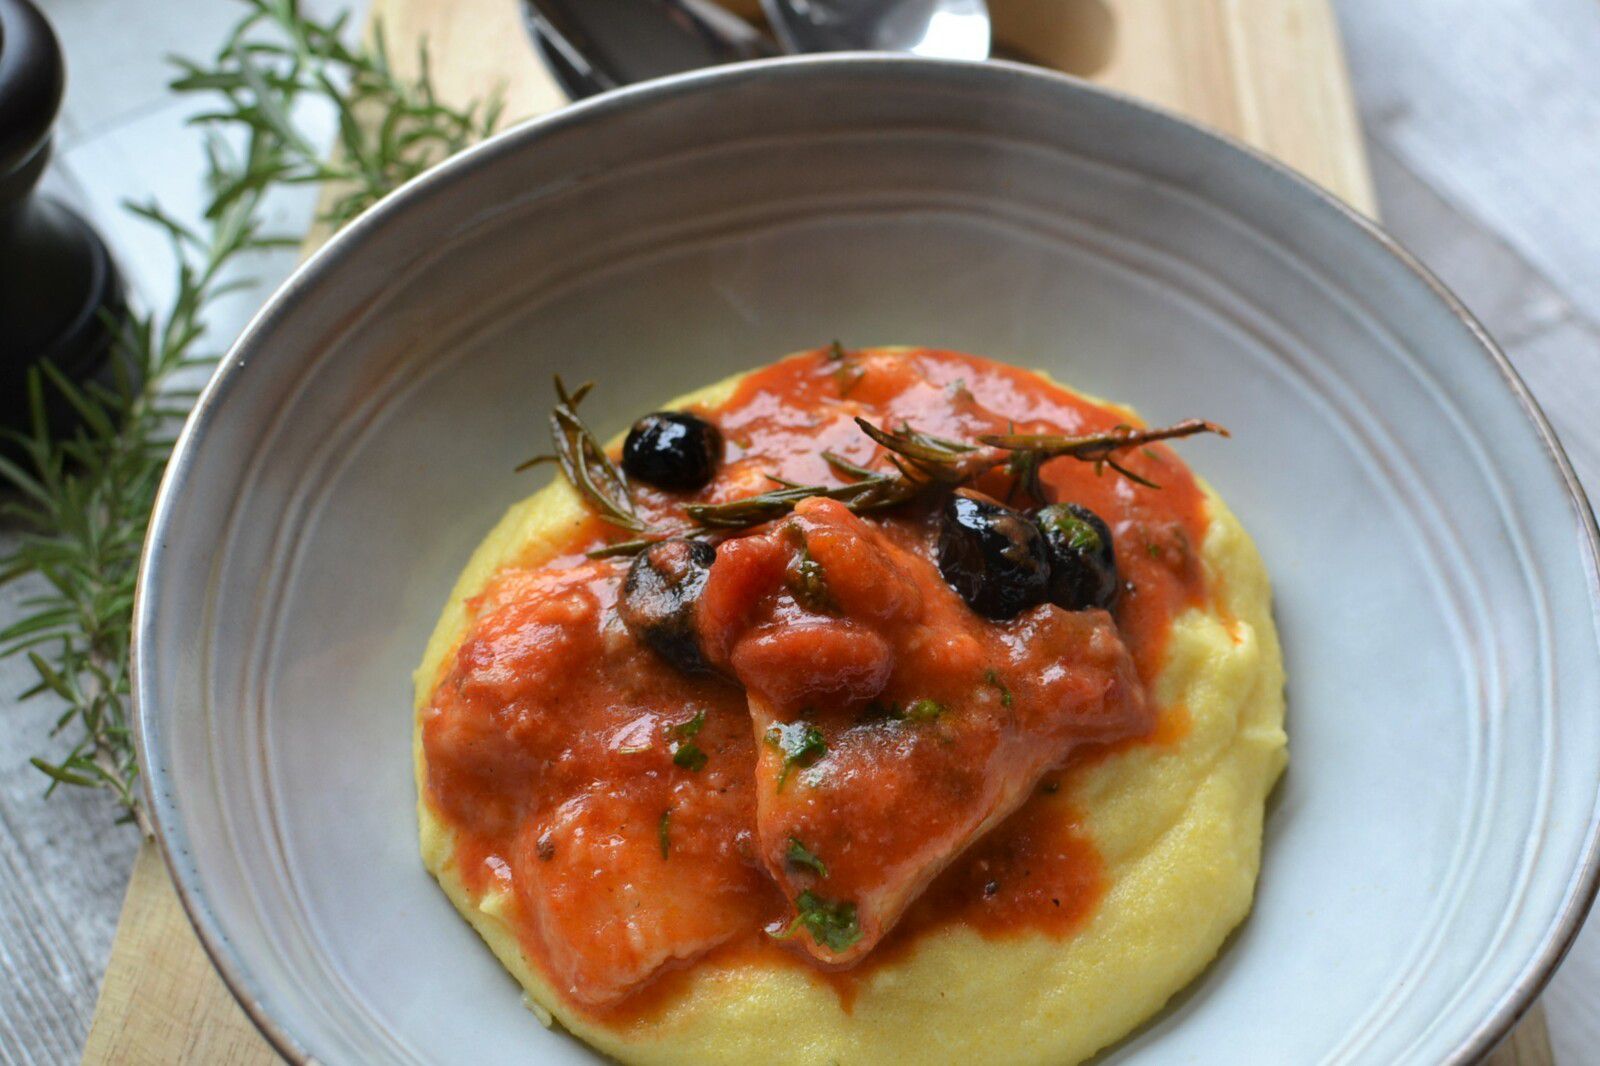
1581 887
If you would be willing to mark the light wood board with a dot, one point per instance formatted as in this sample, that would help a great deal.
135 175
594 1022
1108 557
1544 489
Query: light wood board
1270 72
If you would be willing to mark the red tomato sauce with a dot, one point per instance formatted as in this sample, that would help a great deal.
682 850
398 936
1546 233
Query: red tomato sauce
615 798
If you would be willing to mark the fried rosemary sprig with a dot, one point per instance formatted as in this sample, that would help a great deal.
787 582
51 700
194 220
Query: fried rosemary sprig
920 462
1029 451
924 463
585 463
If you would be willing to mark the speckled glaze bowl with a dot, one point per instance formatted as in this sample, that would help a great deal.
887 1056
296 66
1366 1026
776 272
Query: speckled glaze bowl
1431 851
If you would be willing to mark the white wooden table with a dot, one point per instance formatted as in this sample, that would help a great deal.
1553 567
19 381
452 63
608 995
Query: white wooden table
1483 127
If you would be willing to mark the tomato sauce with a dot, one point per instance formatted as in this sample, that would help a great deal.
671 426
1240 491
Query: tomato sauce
641 819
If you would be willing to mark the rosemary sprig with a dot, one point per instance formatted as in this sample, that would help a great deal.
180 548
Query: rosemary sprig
871 491
926 458
1030 450
924 463
585 463
83 503
390 127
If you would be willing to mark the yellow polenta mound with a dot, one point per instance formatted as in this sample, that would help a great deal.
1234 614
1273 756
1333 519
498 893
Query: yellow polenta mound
1178 827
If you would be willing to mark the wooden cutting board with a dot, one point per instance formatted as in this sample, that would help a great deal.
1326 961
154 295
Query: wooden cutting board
1270 72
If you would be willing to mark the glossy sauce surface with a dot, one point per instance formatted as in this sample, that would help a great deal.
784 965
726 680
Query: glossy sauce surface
641 819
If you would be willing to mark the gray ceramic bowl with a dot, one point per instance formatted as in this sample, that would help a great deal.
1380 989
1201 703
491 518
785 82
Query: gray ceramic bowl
1430 853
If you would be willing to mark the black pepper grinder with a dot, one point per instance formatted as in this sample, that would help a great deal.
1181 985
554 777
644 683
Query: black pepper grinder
60 293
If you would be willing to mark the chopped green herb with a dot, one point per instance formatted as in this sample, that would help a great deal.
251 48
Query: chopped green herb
689 756
806 580
685 752
1081 535
685 730
1152 549
923 710
832 924
993 679
836 351
801 744
664 832
800 855
809 586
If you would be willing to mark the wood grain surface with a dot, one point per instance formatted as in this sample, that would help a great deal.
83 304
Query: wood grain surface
1268 71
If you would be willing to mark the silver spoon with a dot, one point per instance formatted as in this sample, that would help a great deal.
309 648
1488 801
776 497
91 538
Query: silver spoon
595 45
949 29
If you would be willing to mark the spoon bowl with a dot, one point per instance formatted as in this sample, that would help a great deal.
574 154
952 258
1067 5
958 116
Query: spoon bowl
944 29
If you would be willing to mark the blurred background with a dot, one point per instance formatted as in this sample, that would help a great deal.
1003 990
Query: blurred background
1481 121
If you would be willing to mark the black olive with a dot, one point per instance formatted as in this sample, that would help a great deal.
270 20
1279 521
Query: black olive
672 450
992 555
659 596
1083 566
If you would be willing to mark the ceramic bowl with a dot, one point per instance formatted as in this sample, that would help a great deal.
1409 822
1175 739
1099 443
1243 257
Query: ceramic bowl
1429 854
